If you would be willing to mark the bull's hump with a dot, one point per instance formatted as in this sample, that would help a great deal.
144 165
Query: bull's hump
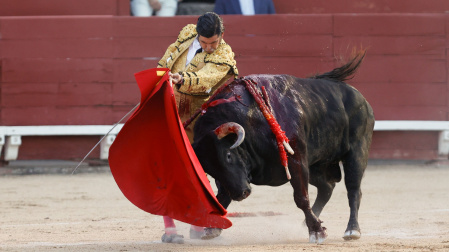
266 77
271 81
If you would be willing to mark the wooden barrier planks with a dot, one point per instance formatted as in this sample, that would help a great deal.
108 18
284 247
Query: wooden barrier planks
361 6
66 7
79 69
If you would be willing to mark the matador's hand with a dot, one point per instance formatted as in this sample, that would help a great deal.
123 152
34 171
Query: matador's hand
176 78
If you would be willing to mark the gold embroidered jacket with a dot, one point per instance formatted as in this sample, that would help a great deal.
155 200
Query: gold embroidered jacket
206 72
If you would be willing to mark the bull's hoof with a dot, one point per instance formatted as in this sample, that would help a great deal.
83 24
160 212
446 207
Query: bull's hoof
210 233
352 235
318 237
172 238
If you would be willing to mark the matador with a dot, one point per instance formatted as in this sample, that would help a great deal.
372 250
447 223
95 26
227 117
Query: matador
200 68
200 61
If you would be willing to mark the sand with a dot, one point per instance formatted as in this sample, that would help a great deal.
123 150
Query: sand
404 208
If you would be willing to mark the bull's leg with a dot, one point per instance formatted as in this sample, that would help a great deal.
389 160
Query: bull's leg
325 184
222 195
299 182
224 199
324 193
354 167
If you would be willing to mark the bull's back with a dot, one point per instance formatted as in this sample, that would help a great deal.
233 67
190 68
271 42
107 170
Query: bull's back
337 115
329 115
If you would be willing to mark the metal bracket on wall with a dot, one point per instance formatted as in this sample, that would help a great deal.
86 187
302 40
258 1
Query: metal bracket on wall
105 145
12 147
2 142
443 143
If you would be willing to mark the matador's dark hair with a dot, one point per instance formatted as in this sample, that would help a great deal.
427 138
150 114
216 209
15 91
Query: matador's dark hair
209 24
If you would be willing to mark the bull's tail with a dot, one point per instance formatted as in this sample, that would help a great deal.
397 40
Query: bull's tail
346 71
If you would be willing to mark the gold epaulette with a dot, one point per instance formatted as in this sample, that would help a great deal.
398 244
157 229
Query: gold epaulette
188 32
223 55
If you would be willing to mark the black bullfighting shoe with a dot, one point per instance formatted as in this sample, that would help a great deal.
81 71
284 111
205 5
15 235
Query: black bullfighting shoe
194 234
172 238
205 234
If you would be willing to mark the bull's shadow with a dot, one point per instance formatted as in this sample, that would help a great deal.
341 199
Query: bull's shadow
326 121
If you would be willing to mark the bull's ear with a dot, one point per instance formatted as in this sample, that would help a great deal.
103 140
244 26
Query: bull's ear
228 128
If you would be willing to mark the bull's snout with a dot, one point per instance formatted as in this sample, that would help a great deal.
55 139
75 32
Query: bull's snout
246 193
243 195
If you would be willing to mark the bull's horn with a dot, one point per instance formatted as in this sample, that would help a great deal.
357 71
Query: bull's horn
231 127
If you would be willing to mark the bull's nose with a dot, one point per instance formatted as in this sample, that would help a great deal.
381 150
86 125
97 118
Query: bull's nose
241 195
246 193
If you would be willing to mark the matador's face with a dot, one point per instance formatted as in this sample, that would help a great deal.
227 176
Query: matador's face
209 45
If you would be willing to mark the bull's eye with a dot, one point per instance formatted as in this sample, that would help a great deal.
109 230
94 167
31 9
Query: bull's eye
228 157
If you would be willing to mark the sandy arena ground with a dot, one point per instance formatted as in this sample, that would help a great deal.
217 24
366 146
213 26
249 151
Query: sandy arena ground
404 208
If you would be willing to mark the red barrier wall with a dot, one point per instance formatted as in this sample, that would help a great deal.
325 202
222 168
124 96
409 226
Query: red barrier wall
63 7
360 6
79 70
121 7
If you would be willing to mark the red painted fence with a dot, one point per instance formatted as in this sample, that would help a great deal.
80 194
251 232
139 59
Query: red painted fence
360 6
63 7
78 70
121 7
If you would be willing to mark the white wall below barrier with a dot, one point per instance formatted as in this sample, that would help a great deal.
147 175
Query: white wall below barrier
10 136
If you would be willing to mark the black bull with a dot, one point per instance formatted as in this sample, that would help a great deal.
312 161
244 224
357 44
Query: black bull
326 120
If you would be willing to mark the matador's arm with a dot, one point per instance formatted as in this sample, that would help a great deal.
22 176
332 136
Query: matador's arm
205 79
217 65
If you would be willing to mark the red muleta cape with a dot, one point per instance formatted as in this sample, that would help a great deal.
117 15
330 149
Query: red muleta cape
154 164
